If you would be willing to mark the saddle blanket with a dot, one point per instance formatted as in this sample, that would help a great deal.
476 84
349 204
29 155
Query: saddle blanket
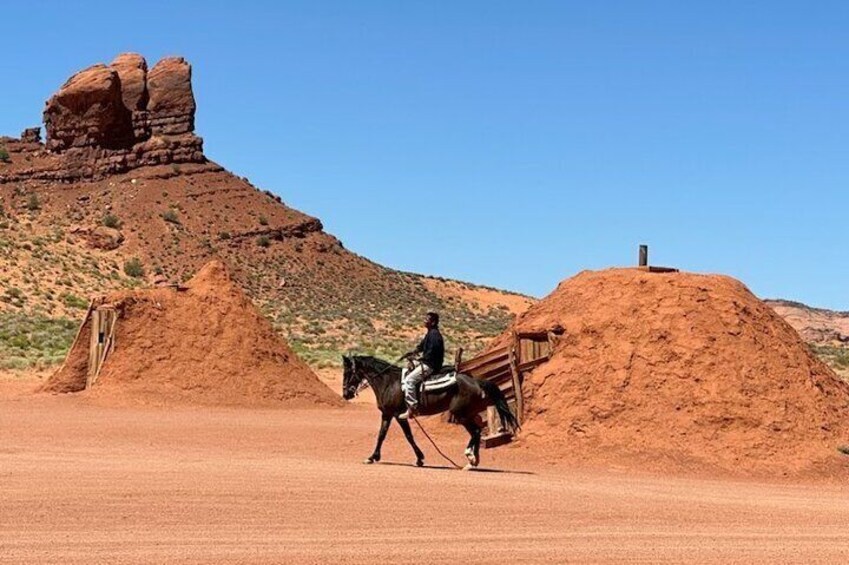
440 382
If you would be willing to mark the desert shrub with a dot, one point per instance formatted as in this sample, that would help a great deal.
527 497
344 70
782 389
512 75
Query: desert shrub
14 292
28 340
74 301
4 155
263 221
263 241
134 268
33 203
111 221
170 216
224 235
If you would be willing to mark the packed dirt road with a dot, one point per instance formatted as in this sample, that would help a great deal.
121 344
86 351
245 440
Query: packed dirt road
83 483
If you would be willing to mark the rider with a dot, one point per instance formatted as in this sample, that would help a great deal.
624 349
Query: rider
430 353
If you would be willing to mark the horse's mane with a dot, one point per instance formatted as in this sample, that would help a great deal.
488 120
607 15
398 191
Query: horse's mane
374 363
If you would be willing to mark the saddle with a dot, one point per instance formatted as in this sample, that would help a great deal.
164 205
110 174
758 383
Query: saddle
440 380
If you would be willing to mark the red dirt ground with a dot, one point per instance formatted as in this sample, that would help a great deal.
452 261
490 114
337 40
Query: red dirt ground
164 336
84 483
680 372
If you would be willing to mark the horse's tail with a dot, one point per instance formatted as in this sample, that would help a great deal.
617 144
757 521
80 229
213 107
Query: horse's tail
496 397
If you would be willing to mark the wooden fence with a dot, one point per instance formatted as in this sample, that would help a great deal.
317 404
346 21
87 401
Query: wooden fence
506 366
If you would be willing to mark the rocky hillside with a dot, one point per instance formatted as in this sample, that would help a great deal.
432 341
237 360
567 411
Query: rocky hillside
120 195
826 331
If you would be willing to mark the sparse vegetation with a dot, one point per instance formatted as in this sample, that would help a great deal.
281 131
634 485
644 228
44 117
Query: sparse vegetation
28 340
263 241
4 154
111 221
134 268
33 202
224 235
74 301
263 221
844 449
836 357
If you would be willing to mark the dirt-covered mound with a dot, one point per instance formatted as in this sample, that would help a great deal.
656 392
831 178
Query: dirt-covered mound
206 343
680 371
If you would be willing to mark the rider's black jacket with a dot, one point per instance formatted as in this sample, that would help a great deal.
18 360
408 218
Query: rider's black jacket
432 349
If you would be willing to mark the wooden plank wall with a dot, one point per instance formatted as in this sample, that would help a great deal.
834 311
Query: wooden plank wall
103 322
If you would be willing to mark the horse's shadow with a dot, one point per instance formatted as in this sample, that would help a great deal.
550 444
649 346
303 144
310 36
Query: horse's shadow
447 468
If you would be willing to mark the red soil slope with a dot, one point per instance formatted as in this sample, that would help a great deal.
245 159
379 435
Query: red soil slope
206 344
680 371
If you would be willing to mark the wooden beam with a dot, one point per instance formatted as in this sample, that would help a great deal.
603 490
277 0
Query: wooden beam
458 358
517 385
653 269
644 256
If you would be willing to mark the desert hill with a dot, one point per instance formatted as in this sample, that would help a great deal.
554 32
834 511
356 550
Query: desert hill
164 335
121 195
683 371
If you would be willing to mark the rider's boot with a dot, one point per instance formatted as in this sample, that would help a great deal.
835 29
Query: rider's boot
411 411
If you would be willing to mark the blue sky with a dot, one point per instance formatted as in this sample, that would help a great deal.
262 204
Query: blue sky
508 143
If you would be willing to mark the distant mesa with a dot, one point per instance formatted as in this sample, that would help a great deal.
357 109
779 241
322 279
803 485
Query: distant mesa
108 119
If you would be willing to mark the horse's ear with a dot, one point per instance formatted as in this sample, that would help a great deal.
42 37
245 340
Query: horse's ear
346 361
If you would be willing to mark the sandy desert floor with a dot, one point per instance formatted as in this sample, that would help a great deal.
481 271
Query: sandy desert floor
83 483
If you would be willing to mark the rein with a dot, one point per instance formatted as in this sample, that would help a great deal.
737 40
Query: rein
364 384
433 443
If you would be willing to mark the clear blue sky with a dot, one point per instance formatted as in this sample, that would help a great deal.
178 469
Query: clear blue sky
508 143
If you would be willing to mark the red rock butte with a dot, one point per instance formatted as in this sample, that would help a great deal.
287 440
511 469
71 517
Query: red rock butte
109 119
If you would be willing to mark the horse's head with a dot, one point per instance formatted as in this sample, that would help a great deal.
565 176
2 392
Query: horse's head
352 377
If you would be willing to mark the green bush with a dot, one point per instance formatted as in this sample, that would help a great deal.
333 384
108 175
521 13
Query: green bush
14 292
263 221
263 241
33 203
28 340
134 268
111 221
74 301
224 235
4 154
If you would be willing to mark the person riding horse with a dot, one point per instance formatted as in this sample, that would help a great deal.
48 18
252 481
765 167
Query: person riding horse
429 356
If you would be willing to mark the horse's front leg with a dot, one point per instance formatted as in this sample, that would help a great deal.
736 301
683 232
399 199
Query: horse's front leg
381 435
408 433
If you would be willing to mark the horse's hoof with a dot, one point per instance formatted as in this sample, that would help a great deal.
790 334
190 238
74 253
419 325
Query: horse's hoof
473 459
419 462
468 467
369 461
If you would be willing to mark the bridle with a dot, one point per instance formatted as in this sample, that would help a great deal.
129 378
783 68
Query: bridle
364 384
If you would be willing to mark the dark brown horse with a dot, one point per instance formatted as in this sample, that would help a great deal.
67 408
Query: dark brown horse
465 400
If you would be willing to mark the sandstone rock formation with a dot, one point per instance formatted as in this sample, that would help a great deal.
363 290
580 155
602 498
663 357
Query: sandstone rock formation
172 103
31 135
109 119
88 111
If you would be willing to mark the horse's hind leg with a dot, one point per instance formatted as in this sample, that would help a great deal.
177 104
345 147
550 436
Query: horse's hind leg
408 433
473 448
381 435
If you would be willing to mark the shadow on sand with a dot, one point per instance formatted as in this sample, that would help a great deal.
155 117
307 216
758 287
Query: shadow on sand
447 468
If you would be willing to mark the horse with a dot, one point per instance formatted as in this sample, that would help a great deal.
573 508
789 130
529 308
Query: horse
465 400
